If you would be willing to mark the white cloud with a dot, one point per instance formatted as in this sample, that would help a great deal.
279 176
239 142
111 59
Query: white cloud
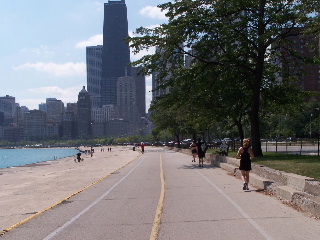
56 92
135 57
59 70
41 50
30 103
92 41
66 95
153 12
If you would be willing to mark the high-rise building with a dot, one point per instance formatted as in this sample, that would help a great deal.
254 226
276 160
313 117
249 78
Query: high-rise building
35 124
84 114
55 109
94 68
305 47
140 91
116 52
69 125
13 133
43 107
112 81
8 107
72 107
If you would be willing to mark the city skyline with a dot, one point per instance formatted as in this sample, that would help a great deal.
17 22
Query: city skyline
44 52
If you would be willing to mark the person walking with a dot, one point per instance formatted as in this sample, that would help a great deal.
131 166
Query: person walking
201 149
193 148
245 154
142 147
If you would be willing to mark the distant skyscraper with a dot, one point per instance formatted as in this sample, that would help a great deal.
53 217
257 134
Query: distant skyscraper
8 107
302 46
68 125
35 124
84 114
94 68
72 107
116 52
55 109
117 90
140 91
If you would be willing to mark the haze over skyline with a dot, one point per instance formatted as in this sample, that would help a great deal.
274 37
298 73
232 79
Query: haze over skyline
43 50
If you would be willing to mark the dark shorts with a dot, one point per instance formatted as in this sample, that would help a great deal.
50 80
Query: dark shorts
201 154
245 165
194 151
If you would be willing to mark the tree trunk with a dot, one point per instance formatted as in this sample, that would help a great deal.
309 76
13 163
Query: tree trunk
255 133
255 109
240 130
177 135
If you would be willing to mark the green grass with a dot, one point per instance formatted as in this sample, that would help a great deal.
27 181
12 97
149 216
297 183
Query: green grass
308 166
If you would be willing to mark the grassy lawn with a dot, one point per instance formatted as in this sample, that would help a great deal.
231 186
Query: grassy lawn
308 166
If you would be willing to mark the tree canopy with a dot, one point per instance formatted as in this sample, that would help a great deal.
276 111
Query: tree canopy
233 49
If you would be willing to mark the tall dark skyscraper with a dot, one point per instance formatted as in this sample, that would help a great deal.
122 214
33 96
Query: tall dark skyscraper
116 52
112 82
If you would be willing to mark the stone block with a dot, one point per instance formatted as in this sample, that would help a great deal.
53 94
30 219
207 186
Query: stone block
312 187
296 181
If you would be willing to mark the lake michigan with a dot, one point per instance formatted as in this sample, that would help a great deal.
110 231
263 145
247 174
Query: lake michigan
19 157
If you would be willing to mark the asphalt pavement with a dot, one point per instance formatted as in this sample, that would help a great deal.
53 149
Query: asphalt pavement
160 195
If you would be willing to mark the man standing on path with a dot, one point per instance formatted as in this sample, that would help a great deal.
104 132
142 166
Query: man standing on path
201 149
142 147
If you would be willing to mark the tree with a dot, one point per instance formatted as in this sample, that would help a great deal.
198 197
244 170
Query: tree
234 36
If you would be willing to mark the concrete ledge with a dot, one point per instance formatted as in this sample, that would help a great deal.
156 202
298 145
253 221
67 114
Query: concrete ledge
303 200
307 203
285 193
312 187
259 182
296 181
228 167
269 173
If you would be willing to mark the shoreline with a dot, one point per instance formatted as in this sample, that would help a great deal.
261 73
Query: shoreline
34 187
39 162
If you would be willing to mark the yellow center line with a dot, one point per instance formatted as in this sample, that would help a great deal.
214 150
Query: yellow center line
157 217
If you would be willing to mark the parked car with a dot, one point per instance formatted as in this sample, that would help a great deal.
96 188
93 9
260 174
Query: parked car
291 139
186 143
227 140
171 143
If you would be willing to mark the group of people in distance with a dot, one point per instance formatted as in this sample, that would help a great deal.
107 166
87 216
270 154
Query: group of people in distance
245 153
198 148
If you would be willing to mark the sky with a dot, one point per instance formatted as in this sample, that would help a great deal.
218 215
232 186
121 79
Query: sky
43 45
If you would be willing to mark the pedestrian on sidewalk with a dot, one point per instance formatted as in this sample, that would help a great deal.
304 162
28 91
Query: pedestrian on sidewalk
201 149
142 147
193 148
245 154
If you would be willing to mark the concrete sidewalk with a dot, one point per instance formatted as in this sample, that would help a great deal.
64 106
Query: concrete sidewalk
301 192
30 189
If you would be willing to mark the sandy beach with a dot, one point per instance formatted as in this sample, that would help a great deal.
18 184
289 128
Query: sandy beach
30 189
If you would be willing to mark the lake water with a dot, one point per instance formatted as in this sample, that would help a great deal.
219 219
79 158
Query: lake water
19 157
